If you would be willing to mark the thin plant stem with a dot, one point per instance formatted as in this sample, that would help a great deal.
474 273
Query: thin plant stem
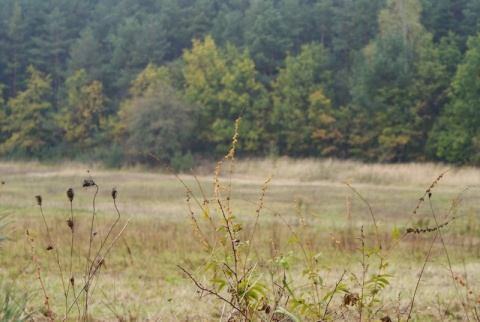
440 234
420 276
53 248
109 232
37 265
97 266
88 268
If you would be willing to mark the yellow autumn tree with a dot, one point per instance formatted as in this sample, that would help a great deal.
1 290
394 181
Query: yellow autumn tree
222 83
29 125
83 117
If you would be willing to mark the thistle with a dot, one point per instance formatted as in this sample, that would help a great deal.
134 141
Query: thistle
70 194
70 224
88 183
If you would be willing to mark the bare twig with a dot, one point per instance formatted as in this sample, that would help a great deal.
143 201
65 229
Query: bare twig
334 291
37 265
377 235
96 267
214 293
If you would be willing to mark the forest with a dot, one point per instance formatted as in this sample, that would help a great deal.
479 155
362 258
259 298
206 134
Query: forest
111 80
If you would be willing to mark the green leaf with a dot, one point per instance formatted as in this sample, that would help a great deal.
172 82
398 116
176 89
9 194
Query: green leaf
294 303
395 234
293 240
384 281
317 256
221 283
251 294
320 280
260 288
206 214
281 310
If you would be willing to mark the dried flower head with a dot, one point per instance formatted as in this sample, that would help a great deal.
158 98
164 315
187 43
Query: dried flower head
70 224
70 194
50 247
88 183
72 280
3 182
350 299
114 193
39 199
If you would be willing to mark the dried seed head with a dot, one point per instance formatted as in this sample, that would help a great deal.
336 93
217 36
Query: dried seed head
88 183
114 193
39 199
50 247
70 194
3 182
72 280
350 299
70 224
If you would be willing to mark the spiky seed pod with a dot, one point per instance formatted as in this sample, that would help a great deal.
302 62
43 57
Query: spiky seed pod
88 183
350 299
39 199
70 194
114 193
70 224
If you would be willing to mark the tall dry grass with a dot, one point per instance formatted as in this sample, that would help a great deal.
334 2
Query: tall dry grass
305 204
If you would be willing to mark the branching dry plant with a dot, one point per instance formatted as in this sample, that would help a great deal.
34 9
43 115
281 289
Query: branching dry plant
263 260
78 287
252 289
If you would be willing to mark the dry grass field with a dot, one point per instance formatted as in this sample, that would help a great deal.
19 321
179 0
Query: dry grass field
294 215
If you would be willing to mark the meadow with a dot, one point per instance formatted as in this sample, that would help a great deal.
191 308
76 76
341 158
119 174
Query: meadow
317 240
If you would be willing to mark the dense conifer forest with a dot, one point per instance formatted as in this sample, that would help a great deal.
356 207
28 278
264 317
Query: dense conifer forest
109 80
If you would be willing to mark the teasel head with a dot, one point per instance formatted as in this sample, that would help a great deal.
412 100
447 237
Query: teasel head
39 199
70 194
114 193
70 224
88 183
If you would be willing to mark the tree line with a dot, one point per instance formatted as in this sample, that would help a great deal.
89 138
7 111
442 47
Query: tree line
375 80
